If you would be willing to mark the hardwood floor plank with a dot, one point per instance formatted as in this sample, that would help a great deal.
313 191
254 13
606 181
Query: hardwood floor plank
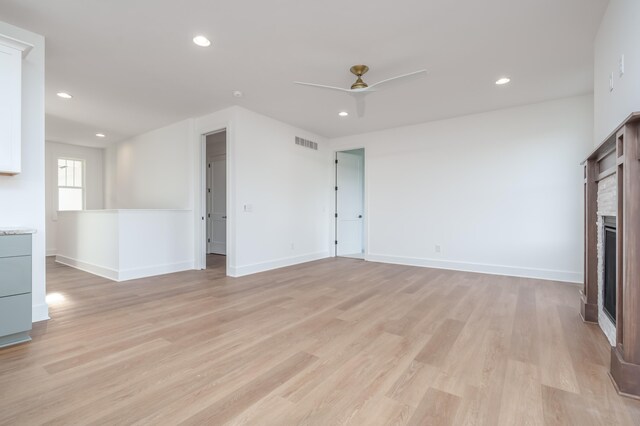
336 341
438 348
522 395
436 408
239 400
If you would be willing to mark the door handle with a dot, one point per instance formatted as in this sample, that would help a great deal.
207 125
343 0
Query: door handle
224 217
359 216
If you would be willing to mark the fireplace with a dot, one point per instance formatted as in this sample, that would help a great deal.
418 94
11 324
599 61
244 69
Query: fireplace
611 190
609 287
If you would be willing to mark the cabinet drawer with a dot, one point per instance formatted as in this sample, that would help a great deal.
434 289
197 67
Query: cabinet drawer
15 275
15 245
15 314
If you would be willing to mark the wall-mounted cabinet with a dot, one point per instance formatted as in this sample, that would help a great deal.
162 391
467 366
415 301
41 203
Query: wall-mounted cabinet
12 52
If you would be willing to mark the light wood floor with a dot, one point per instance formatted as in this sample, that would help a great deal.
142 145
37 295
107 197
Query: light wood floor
338 341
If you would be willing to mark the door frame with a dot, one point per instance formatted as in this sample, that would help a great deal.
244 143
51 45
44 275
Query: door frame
201 197
365 195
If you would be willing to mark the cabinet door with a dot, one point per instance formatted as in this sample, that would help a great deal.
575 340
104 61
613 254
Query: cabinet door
10 109
15 314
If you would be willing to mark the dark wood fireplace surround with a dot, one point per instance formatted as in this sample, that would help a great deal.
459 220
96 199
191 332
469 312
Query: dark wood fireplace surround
618 155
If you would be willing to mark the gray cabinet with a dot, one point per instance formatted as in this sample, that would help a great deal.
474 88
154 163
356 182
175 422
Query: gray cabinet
15 289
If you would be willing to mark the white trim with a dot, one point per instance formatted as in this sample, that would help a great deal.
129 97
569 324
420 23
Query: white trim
16 44
151 271
482 268
125 274
51 252
101 271
275 264
40 312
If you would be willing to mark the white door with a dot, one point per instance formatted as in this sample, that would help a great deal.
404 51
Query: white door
217 205
350 203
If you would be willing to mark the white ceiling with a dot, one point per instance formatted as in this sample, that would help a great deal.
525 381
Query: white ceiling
132 67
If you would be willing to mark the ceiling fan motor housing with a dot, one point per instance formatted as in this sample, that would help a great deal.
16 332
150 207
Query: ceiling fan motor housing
359 71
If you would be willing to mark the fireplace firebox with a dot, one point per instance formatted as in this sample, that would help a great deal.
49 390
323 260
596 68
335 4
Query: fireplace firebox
609 287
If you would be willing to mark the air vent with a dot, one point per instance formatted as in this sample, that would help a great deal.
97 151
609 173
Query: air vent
306 143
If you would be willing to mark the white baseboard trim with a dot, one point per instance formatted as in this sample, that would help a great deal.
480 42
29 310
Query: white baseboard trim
51 252
240 271
125 274
151 271
101 271
541 274
40 312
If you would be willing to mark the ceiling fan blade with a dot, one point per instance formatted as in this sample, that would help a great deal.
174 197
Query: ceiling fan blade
405 77
322 86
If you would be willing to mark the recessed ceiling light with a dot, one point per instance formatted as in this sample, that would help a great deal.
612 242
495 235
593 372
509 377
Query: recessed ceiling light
101 135
343 113
64 95
201 41
503 80
237 94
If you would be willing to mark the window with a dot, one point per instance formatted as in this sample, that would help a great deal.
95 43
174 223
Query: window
70 184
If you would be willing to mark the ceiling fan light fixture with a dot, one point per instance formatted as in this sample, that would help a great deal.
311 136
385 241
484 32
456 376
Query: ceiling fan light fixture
502 81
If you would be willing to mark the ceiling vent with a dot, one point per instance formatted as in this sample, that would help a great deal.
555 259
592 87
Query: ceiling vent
306 143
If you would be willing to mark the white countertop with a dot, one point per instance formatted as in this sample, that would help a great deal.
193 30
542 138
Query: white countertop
16 231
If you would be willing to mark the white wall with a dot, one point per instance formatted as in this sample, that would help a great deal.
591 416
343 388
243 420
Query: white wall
126 244
288 189
91 241
151 171
145 252
500 192
94 182
285 185
619 34
22 197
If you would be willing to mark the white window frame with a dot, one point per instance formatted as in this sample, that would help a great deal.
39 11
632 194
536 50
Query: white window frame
82 187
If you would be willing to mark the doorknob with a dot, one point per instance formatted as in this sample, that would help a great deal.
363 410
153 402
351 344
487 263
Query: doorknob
224 217
359 216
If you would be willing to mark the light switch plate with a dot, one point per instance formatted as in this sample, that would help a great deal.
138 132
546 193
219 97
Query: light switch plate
611 82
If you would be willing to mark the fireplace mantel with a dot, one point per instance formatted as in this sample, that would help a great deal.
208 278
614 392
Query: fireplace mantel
618 155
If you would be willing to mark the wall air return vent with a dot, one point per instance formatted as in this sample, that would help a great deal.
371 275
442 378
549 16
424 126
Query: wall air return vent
306 143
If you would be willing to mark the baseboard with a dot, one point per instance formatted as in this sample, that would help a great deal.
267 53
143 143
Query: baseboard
40 312
101 271
541 274
151 271
51 252
275 264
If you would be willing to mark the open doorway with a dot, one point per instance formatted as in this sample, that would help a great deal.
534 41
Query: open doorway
350 212
216 199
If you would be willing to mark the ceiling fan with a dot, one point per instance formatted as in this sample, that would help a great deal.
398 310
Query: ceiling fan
360 89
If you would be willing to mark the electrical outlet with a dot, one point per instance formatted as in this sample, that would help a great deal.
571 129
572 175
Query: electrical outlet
438 248
621 63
